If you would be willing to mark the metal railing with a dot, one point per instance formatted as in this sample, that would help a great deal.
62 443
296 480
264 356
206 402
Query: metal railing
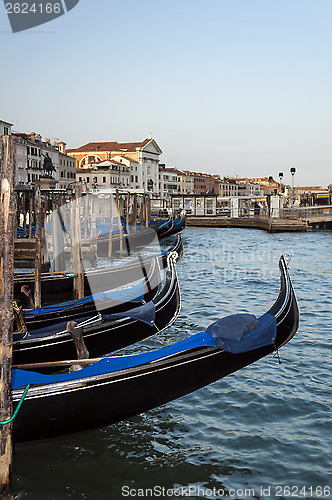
294 213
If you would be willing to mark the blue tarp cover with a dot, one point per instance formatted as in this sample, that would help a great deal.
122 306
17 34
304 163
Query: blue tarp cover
133 294
243 332
245 341
145 313
21 378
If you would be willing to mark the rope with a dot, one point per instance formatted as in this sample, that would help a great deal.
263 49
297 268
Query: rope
4 422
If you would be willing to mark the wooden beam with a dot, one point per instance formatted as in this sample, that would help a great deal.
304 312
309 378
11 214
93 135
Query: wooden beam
134 214
119 221
77 251
7 214
38 255
127 212
110 234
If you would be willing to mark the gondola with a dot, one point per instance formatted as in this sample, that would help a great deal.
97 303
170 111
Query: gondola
143 237
179 224
107 302
55 286
117 388
104 332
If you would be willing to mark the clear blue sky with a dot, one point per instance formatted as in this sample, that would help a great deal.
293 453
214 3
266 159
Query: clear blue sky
230 87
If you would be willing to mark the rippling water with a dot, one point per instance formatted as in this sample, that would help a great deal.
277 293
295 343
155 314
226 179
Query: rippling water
263 432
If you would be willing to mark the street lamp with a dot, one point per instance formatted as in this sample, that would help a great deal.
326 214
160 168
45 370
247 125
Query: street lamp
292 171
281 174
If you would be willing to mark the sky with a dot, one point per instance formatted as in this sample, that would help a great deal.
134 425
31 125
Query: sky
228 87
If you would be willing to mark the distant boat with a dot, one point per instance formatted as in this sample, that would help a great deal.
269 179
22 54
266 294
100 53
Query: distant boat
116 388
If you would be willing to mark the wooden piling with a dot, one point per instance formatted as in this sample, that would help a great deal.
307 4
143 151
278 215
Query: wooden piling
30 214
38 256
119 221
147 211
25 215
142 212
110 234
127 212
7 214
134 214
77 251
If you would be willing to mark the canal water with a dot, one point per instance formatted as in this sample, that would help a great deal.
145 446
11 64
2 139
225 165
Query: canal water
263 432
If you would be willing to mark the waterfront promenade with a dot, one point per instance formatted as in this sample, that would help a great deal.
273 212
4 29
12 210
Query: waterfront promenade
282 220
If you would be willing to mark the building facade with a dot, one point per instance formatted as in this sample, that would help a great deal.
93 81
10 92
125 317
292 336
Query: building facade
141 157
21 157
231 187
185 182
167 181
105 175
206 183
43 159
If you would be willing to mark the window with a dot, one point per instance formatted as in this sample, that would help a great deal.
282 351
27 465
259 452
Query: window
88 180
132 178
6 130
136 178
104 180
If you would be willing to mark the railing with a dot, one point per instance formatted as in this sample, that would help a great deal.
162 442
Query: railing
294 213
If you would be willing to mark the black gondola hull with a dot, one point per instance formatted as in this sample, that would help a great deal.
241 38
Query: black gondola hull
60 287
103 337
59 409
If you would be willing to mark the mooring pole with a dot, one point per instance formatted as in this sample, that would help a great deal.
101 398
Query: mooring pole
79 280
30 214
142 212
119 221
127 212
110 234
38 257
7 214
134 214
147 211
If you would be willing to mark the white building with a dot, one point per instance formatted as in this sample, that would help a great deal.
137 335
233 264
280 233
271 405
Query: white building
142 158
167 181
5 128
185 182
105 175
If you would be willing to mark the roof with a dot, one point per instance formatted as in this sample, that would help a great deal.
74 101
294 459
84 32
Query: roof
129 147
108 163
6 123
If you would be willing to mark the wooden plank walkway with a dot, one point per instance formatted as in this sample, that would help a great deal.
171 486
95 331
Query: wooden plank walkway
272 225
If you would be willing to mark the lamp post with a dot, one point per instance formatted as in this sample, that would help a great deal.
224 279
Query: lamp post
292 171
281 174
281 192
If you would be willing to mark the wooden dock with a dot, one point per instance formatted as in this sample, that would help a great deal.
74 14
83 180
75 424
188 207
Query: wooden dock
272 225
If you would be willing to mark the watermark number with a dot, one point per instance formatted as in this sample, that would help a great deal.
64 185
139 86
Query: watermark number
35 8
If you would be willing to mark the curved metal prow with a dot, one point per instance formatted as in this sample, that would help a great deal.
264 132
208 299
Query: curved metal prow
285 309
